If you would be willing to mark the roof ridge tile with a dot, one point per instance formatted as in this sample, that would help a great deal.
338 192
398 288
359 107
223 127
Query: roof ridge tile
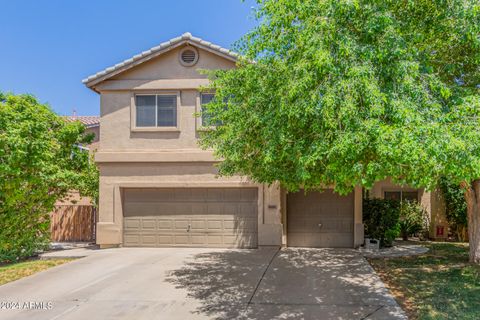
187 37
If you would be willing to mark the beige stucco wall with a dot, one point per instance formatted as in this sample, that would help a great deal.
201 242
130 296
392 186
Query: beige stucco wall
117 102
358 236
116 123
432 201
438 216
128 158
115 177
167 66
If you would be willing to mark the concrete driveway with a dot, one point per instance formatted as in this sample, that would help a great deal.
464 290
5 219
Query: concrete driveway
134 283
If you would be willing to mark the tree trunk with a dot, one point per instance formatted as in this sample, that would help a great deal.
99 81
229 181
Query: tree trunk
472 197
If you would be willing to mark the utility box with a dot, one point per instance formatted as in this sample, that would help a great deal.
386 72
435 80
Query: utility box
372 244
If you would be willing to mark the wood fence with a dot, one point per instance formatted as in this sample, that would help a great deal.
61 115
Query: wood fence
69 223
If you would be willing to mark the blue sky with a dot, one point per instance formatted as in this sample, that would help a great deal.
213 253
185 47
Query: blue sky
48 46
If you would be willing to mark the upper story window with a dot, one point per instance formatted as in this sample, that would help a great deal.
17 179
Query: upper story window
204 99
401 195
156 110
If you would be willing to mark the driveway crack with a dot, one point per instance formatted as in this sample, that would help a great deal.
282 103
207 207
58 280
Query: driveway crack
263 275
371 313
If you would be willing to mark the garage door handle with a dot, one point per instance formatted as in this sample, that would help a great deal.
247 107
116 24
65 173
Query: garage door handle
319 225
188 228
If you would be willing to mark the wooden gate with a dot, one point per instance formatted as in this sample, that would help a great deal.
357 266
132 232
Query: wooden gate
69 223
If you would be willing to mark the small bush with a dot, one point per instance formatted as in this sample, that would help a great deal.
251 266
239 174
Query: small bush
411 221
24 233
380 217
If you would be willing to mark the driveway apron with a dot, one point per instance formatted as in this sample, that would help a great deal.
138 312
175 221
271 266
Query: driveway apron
175 283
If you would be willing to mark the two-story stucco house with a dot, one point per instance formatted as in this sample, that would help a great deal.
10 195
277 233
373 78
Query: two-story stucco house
157 188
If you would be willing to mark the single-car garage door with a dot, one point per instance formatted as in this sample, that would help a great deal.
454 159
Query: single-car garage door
320 219
190 217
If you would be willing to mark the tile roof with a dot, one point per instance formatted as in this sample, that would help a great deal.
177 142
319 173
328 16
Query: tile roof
155 51
88 121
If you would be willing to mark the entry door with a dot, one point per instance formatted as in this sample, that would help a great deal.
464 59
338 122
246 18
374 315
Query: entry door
320 219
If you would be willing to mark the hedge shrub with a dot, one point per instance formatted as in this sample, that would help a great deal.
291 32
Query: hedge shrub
39 162
380 217
412 219
456 208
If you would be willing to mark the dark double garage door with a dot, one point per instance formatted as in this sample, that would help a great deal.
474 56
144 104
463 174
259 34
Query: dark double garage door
190 217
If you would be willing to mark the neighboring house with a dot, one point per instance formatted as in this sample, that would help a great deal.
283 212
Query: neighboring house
92 125
158 188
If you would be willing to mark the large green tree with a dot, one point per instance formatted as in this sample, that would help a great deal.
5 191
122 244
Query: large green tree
346 93
40 161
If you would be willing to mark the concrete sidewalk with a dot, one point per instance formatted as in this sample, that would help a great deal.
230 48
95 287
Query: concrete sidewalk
174 283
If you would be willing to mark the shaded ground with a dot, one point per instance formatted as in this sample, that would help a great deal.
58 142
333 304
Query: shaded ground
175 283
439 284
298 284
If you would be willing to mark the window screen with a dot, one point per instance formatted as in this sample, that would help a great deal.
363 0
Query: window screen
401 195
206 118
167 111
156 110
410 195
393 195
145 111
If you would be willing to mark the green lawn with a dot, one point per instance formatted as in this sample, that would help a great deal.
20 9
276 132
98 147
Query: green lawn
15 271
440 284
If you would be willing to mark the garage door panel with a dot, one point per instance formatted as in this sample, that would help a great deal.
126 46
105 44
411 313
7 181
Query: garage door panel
248 195
231 209
129 239
165 224
319 219
181 224
132 224
151 208
199 239
149 224
181 195
211 217
214 224
231 240
198 225
149 240
296 226
148 195
231 195
239 224
182 239
247 208
165 239
214 208
214 195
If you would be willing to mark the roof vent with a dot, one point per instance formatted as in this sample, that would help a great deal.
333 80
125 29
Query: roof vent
188 56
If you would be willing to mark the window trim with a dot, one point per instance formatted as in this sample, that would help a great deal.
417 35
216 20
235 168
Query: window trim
133 111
